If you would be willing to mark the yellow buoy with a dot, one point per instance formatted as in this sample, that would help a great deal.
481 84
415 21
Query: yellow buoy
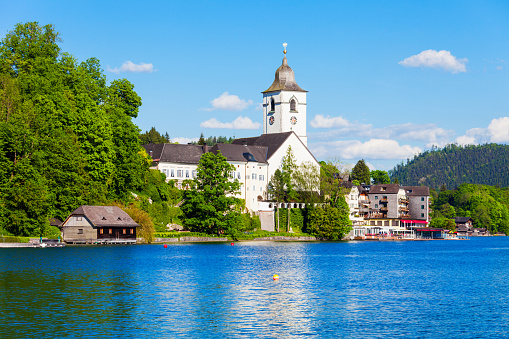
275 277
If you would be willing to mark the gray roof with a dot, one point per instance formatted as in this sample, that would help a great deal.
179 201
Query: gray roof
462 220
272 141
177 153
236 152
284 79
105 216
416 190
384 188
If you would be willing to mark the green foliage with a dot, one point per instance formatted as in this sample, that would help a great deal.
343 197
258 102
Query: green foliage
210 206
296 219
211 141
331 174
307 182
361 172
66 137
328 222
455 165
488 206
154 137
380 177
288 168
442 222
52 232
276 186
249 223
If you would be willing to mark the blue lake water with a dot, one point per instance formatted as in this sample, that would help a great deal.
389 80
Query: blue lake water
414 289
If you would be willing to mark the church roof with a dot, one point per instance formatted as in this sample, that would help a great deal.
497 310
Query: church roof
236 152
284 79
272 141
176 153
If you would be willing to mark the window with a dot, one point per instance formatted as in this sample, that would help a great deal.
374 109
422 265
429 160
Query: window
172 173
101 231
376 206
261 189
247 188
179 173
110 230
422 198
79 218
124 231
422 207
238 175
293 105
187 173
422 215
272 105
194 174
376 197
254 188
165 171
253 176
132 230
80 230
262 177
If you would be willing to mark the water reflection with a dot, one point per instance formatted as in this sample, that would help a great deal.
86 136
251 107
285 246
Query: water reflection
355 289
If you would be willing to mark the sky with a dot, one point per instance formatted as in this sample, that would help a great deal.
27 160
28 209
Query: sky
386 79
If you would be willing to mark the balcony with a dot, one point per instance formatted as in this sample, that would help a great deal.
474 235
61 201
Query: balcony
384 208
378 216
384 199
403 200
403 209
404 216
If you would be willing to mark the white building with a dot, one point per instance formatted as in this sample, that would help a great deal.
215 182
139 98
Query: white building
256 158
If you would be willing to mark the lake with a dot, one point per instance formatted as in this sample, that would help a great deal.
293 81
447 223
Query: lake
378 289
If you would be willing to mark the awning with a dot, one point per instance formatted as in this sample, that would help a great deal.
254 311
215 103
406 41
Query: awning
414 221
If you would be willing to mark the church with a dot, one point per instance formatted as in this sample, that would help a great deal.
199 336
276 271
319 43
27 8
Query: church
256 158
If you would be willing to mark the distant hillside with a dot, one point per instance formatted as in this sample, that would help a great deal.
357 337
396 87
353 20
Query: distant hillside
454 165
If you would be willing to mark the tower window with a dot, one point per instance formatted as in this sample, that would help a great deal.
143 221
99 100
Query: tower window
293 105
272 105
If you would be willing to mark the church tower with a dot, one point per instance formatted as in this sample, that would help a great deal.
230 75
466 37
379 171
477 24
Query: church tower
284 104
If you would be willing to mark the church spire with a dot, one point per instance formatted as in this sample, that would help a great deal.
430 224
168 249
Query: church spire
285 78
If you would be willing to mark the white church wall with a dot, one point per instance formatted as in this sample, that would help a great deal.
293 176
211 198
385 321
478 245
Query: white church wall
300 152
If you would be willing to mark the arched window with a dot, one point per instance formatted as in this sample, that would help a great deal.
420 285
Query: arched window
272 105
293 105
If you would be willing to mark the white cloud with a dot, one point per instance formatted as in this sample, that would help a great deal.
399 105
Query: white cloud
497 131
239 123
184 140
321 121
371 149
129 66
436 59
428 133
229 102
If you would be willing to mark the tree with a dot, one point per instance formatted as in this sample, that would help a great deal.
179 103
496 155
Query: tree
361 172
307 182
201 141
210 205
288 167
380 177
276 191
329 222
154 137
332 173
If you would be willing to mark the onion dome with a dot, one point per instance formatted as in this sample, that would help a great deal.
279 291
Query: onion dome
285 79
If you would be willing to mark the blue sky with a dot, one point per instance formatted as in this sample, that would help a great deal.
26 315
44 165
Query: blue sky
386 79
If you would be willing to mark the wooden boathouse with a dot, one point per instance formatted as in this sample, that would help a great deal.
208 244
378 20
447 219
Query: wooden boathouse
99 225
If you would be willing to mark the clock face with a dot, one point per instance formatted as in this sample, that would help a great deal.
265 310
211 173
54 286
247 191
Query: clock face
293 120
271 120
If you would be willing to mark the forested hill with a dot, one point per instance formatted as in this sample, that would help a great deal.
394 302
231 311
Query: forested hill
454 165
